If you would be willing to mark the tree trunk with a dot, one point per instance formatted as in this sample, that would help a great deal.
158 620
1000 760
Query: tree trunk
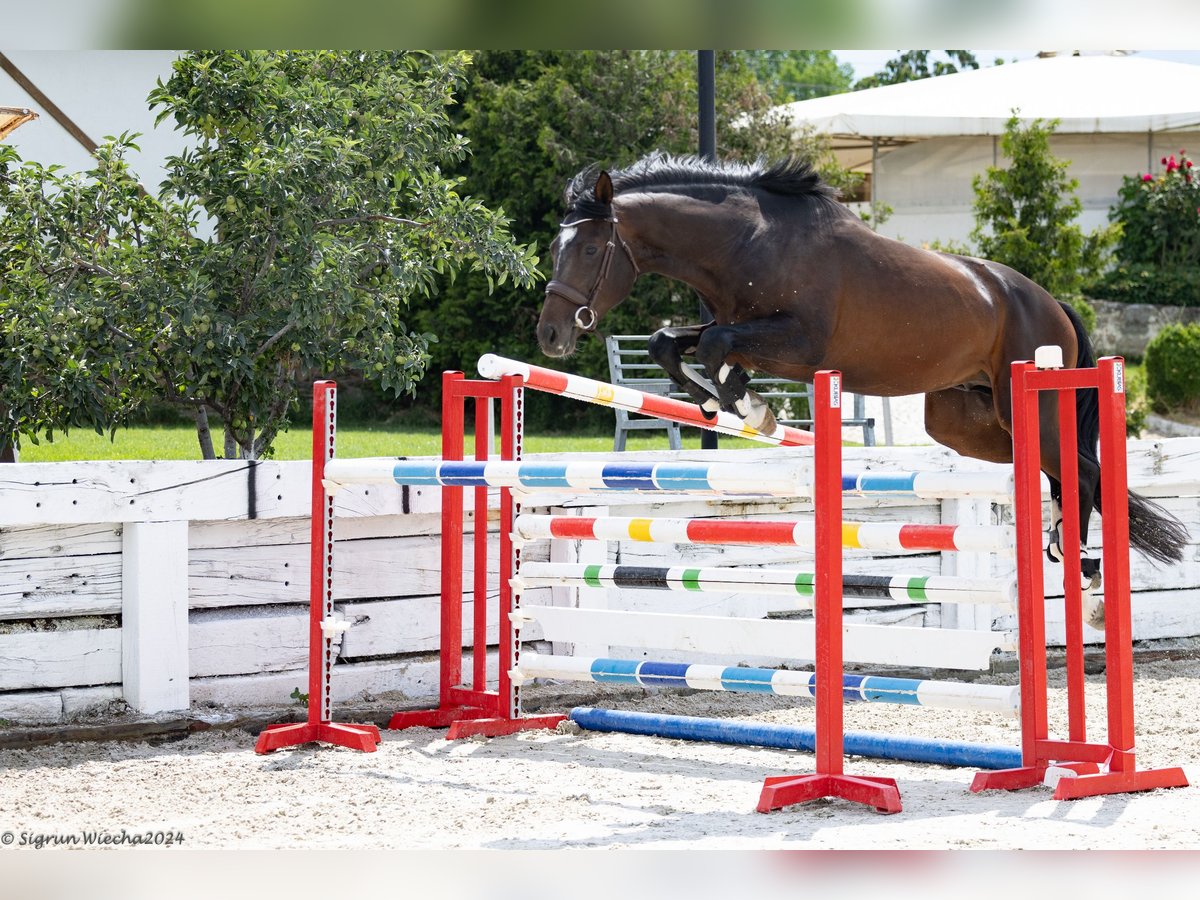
8 453
204 435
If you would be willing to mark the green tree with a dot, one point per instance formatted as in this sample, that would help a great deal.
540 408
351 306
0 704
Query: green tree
913 65
311 209
790 75
1025 216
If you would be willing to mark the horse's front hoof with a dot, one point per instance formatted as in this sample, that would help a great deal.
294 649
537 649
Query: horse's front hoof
754 412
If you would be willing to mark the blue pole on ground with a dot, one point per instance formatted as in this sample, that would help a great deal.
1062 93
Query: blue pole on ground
789 737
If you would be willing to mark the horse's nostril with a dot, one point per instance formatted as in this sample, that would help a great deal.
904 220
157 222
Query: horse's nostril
549 333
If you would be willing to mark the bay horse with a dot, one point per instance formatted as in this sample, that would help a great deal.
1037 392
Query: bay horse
797 282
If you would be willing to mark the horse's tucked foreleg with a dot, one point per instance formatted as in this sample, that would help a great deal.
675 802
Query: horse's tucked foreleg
714 347
667 348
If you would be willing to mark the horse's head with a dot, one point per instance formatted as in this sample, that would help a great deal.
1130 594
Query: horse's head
590 276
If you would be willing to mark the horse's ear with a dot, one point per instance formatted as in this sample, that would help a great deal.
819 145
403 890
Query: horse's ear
604 189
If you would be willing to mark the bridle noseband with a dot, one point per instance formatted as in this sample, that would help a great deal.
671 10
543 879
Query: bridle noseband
578 297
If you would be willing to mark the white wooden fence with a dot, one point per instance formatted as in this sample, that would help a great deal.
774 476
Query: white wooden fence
177 584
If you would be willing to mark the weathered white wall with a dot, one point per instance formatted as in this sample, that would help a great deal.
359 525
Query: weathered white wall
86 549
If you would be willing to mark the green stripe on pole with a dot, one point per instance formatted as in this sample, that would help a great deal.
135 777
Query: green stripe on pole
916 588
592 576
691 579
804 584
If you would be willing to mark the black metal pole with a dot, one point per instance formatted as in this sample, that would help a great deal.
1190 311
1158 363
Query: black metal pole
706 80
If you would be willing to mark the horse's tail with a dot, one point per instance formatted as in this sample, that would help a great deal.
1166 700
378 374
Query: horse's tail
1152 530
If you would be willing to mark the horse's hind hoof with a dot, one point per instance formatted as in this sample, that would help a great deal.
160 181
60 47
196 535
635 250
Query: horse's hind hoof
1054 551
1093 606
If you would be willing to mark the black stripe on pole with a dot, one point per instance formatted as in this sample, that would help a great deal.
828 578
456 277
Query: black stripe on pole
640 577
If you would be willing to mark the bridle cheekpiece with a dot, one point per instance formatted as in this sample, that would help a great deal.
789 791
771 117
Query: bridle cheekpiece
574 295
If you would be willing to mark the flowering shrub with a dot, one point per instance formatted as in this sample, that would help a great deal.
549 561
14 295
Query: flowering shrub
1158 256
1160 215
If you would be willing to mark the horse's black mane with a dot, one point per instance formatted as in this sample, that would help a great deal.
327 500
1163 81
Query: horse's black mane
790 176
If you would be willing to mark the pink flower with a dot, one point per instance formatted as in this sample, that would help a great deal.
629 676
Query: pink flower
1188 163
1147 177
1163 160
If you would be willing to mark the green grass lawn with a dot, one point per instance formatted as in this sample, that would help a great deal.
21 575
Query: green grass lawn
179 442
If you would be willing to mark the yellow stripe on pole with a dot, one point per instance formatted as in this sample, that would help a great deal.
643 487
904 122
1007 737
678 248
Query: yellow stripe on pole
850 534
639 529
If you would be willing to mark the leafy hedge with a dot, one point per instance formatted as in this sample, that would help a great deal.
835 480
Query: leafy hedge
1173 367
1148 283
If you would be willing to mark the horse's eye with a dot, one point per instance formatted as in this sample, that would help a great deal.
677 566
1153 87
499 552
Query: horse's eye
591 250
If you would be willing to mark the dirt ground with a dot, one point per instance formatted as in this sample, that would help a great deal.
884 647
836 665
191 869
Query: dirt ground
547 790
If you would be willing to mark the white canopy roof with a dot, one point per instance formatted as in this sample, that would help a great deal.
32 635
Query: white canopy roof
1088 94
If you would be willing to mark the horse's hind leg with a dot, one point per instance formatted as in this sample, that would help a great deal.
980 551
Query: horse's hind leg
1088 482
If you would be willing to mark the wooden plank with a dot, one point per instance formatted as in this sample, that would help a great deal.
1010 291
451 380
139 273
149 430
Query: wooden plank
212 490
413 677
264 532
787 639
31 708
364 569
38 541
1156 615
44 659
248 640
132 491
51 707
55 587
154 616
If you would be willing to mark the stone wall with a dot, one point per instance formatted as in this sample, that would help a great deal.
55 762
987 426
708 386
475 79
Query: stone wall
1126 328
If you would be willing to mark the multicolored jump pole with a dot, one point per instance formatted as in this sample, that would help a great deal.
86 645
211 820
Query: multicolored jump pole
782 682
618 397
762 532
781 479
790 737
774 581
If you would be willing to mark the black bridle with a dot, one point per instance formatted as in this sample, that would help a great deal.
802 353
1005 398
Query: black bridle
578 297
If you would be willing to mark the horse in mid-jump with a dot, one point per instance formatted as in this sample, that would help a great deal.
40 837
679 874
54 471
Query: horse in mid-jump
796 282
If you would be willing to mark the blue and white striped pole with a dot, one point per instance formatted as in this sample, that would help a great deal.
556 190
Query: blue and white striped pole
782 682
785 479
781 479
